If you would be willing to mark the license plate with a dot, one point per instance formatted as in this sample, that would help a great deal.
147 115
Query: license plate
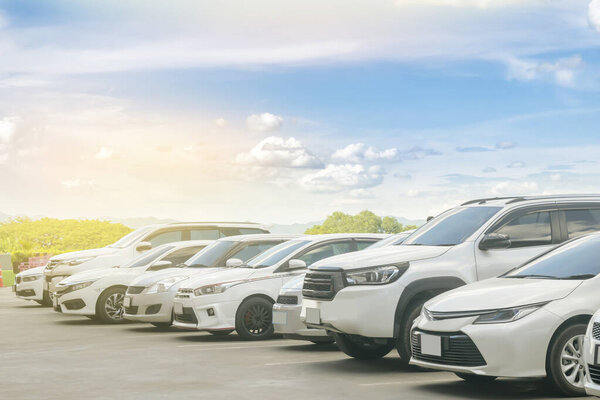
127 302
313 316
178 308
598 355
279 318
431 345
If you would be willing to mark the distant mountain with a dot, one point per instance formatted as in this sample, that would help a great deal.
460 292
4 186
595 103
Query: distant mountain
292 228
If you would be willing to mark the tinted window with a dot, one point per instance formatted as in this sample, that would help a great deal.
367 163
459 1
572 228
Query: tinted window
128 239
253 249
230 231
391 241
580 222
165 237
452 227
363 244
573 260
277 253
204 234
532 229
212 254
324 251
148 257
182 255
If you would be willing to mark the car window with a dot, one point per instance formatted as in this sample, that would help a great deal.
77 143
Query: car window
231 231
394 240
148 257
130 238
165 237
533 229
253 249
212 254
364 243
277 253
204 234
581 222
324 251
182 255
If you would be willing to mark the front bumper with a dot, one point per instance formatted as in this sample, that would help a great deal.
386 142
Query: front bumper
33 290
591 351
143 307
516 349
50 282
286 320
78 302
205 313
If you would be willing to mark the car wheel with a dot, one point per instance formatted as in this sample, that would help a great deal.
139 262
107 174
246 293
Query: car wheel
253 320
161 325
362 348
109 308
40 302
403 342
472 378
323 341
221 333
565 365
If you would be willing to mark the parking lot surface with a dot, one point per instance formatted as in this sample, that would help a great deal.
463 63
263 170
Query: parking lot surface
44 354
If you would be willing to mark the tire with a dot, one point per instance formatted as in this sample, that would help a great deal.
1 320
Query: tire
109 308
253 320
221 333
40 302
46 300
567 350
412 312
161 325
323 342
362 348
472 378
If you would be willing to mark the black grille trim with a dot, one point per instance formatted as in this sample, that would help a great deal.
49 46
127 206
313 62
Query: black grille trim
135 289
26 292
132 310
17 279
594 373
188 316
323 285
596 331
457 349
283 299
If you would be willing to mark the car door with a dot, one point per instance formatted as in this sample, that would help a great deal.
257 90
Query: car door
166 236
531 231
579 219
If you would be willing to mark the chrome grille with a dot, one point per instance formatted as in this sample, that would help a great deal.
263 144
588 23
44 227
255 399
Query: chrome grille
323 285
596 331
287 299
457 349
595 373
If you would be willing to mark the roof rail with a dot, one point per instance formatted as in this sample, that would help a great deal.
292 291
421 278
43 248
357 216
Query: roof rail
551 196
482 201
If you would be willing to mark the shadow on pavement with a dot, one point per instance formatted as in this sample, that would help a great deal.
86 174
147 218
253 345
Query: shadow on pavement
387 365
313 348
500 389
86 322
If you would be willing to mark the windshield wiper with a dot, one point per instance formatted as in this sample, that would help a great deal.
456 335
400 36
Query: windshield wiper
580 276
534 276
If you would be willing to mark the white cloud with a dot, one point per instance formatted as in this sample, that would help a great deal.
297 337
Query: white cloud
334 178
361 194
506 145
220 122
265 122
276 151
488 170
512 188
563 71
104 153
516 164
360 152
7 128
594 14
555 177
71 184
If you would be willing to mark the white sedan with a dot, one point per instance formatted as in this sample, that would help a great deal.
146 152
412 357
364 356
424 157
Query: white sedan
528 323
99 293
242 298
29 284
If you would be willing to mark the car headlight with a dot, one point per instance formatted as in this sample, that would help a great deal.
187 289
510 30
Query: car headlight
215 289
31 278
507 314
376 275
78 261
80 285
165 284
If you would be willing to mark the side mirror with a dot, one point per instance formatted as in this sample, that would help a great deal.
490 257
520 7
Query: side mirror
234 262
296 264
429 218
495 241
160 265
143 246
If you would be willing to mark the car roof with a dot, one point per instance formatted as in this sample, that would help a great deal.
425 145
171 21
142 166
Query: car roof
222 224
509 200
257 237
332 236
187 243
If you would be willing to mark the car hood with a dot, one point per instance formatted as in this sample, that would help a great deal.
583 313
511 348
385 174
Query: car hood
96 274
32 271
227 275
381 256
150 278
84 254
498 293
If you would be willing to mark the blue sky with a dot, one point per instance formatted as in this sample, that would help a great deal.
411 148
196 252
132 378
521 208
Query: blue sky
189 109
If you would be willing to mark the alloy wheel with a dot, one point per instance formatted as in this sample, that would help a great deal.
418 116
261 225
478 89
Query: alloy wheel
114 306
257 319
572 363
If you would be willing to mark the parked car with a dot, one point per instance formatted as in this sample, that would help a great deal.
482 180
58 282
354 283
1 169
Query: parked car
136 243
286 312
370 299
591 355
99 293
242 298
528 323
29 285
150 297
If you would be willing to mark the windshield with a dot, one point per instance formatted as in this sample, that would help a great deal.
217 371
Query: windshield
574 260
130 238
148 257
391 241
452 227
211 255
276 254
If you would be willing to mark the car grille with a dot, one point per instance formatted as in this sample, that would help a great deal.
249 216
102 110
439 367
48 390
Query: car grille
457 349
135 289
25 293
188 316
596 331
595 373
323 285
287 299
132 310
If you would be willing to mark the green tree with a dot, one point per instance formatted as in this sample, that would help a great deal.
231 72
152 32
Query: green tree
363 222
23 237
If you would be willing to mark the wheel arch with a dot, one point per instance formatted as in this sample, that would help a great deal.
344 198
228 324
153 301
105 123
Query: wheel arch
575 319
426 288
106 290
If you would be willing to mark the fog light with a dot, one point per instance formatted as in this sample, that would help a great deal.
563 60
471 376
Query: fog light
210 312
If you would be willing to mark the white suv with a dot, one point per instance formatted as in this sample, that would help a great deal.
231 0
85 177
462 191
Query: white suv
370 299
135 243
591 355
